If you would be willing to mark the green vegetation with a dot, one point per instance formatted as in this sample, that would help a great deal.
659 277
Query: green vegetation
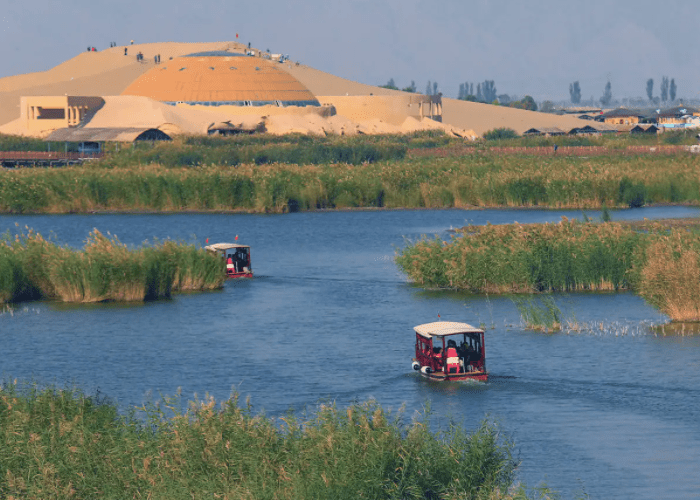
540 314
500 134
21 143
106 270
662 265
473 180
265 149
278 174
63 444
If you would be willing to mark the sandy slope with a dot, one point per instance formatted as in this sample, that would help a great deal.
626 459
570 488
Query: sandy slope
460 114
103 73
321 83
109 72
485 117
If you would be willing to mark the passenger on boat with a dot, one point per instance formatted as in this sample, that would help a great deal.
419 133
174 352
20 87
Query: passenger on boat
452 358
471 357
229 265
241 260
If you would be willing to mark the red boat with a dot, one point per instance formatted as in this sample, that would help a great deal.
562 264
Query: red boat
236 257
446 350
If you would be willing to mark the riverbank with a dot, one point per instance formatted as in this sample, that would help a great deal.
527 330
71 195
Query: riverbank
106 270
658 262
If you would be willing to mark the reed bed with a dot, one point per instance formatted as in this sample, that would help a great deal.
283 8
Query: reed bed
63 444
266 149
662 265
467 181
105 270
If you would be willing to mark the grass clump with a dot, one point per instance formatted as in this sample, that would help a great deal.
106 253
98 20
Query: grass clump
516 258
62 444
105 270
540 315
659 263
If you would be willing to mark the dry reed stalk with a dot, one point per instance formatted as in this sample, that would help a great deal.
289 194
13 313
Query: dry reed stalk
671 281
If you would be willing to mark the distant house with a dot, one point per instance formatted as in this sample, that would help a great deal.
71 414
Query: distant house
621 116
677 117
545 131
644 128
587 130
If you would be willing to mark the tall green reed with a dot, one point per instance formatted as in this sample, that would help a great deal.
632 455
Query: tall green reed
659 263
61 443
105 270
472 180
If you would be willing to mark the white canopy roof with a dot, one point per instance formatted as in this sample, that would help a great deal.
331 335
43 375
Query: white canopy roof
224 246
443 328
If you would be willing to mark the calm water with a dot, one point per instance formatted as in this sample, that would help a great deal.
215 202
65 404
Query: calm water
329 317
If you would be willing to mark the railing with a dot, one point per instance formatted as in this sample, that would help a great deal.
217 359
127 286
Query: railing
44 158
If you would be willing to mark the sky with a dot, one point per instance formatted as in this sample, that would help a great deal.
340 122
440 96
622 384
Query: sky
527 48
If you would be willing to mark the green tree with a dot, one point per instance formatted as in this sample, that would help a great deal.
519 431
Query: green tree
547 107
526 102
575 92
607 95
672 89
500 133
390 85
650 89
504 99
664 88
411 88
488 91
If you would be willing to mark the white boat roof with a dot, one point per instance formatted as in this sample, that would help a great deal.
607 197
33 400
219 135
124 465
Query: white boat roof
443 328
224 246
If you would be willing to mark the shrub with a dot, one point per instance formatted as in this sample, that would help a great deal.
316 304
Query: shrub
500 134
633 194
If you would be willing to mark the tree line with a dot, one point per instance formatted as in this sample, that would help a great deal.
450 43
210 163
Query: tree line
668 91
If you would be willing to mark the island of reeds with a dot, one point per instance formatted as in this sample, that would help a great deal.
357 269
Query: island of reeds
59 443
32 267
289 173
660 263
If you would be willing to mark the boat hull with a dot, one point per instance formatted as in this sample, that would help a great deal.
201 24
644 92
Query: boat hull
238 275
456 377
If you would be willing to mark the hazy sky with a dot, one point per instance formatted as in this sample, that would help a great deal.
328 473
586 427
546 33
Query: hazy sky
535 48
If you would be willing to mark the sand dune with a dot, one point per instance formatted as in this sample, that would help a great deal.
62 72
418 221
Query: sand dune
108 72
485 117
104 73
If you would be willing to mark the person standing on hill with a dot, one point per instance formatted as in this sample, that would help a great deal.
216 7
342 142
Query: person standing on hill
125 50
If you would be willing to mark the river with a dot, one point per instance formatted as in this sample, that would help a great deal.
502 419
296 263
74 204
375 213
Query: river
611 412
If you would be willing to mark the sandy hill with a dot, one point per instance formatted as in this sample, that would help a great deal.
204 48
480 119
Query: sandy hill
103 73
484 117
109 72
